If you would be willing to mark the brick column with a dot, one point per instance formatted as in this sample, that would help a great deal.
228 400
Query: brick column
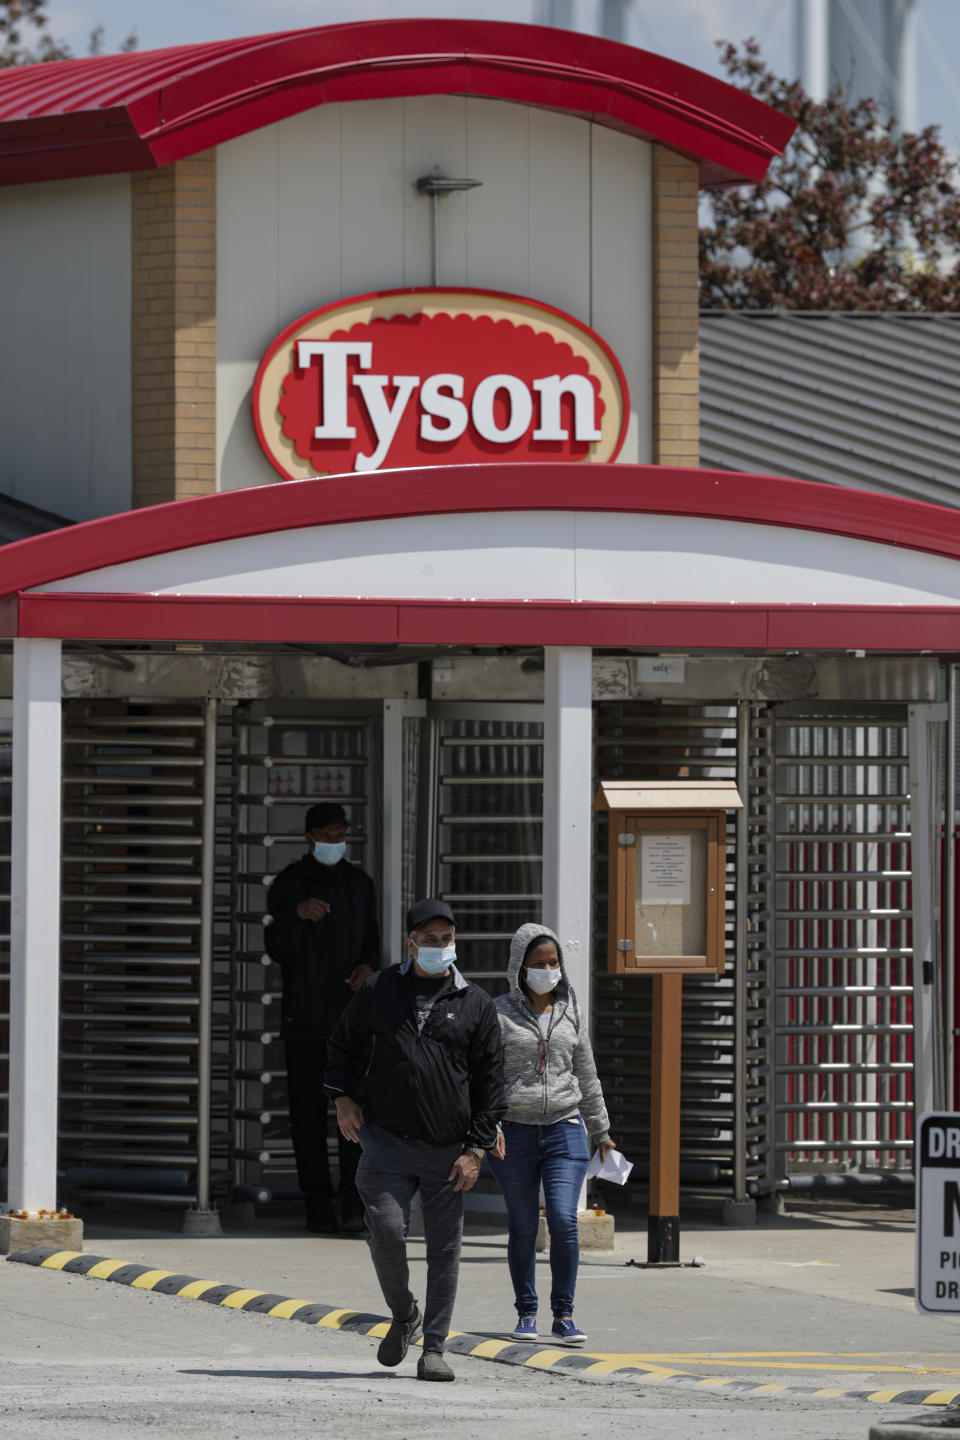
173 352
676 311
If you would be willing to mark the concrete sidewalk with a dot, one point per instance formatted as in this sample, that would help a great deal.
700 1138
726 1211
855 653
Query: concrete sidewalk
820 1299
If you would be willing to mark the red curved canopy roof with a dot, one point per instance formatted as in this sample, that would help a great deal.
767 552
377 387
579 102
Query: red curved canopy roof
436 490
136 111
470 489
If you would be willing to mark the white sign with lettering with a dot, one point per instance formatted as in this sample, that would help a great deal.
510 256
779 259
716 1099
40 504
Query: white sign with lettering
665 870
937 1170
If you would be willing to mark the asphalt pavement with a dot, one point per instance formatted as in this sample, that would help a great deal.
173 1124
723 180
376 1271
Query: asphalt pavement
805 1323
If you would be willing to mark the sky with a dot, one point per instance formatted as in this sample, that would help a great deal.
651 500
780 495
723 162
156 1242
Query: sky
684 30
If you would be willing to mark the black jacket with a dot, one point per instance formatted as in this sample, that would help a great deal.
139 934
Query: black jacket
443 1084
316 956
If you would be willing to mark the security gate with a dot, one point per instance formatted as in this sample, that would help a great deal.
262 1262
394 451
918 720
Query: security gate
843 977
132 1104
5 798
482 790
286 757
651 740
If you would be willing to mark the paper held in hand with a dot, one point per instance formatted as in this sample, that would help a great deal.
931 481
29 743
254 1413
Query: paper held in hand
614 1167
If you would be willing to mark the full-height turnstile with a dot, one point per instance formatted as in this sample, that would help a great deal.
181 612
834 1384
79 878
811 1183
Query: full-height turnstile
142 1078
285 758
5 798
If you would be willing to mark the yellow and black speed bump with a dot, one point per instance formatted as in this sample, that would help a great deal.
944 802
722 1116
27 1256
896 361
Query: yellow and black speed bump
505 1352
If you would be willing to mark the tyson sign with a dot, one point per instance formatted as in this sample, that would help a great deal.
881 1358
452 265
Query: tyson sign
415 377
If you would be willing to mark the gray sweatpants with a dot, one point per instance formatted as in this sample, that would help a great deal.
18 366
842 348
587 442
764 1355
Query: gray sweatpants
390 1172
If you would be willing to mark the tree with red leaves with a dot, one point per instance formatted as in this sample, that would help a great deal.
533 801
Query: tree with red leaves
854 216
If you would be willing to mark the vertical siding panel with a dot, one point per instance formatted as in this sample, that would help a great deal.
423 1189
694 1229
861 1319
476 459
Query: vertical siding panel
65 248
434 136
622 283
248 313
560 211
308 211
372 197
498 145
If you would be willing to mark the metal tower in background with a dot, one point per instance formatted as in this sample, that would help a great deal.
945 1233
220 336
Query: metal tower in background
865 46
614 16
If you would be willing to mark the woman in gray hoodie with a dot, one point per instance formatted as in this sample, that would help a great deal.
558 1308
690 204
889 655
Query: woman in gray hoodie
554 1103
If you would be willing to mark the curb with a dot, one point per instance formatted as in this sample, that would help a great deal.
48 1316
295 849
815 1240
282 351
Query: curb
505 1352
916 1427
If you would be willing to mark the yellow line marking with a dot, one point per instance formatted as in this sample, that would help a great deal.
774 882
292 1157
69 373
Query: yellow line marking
940 1397
284 1309
487 1349
880 1396
380 1329
57 1262
874 1369
766 1362
195 1289
149 1278
104 1269
239 1298
335 1319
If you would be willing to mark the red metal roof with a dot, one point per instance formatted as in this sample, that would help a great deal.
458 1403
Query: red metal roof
110 113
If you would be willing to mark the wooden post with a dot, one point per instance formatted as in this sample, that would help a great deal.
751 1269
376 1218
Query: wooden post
663 1224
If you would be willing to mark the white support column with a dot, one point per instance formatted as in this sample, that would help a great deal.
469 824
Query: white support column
567 807
394 780
925 734
35 925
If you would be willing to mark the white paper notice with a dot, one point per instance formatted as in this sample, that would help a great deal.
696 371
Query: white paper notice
614 1168
665 873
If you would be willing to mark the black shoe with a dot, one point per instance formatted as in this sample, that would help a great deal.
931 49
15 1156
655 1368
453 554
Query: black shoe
352 1222
432 1366
396 1342
322 1218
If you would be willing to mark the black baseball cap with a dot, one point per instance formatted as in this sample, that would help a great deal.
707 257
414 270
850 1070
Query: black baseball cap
424 911
327 812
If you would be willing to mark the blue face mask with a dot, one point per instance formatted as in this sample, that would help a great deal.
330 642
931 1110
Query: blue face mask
328 854
434 960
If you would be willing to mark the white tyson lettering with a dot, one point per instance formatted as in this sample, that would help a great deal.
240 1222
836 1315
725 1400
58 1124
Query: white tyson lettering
442 400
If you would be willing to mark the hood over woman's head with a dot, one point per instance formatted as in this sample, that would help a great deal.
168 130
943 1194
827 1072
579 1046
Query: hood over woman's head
523 940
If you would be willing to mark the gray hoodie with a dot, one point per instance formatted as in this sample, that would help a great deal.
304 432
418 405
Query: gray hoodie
569 1081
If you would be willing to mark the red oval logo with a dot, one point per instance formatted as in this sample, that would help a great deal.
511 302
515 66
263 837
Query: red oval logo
436 377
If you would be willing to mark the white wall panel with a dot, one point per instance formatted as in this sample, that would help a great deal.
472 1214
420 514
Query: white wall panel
559 185
323 206
498 240
65 312
248 288
545 555
435 137
622 272
373 192
309 240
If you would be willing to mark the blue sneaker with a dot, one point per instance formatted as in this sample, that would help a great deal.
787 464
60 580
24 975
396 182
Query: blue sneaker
565 1332
525 1329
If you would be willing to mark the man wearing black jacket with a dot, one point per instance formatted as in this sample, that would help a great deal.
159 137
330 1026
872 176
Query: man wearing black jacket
325 937
416 1067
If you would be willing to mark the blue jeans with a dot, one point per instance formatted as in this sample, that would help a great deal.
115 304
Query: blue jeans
557 1156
